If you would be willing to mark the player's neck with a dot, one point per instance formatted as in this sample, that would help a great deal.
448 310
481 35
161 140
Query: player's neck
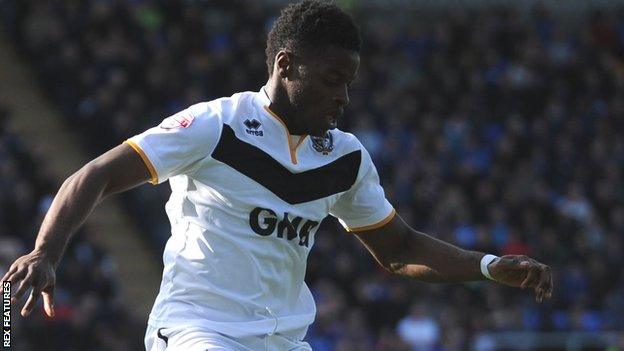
280 105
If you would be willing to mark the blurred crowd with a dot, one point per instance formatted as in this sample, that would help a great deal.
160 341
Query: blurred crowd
495 130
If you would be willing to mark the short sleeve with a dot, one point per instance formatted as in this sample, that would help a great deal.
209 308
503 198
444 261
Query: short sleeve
364 206
178 142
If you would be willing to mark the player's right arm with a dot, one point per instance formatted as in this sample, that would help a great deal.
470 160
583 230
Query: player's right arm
115 171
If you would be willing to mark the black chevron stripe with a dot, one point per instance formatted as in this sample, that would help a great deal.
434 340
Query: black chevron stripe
293 188
159 334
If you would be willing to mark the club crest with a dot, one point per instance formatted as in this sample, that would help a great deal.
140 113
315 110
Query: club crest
324 144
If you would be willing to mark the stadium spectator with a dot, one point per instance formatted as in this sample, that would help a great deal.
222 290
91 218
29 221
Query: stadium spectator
419 329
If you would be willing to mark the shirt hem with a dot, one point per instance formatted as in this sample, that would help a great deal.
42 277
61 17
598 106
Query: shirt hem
240 329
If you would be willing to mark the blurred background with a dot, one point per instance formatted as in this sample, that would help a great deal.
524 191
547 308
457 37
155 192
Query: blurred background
495 125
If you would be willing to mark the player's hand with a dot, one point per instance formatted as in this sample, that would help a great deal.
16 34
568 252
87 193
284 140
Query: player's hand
523 272
37 271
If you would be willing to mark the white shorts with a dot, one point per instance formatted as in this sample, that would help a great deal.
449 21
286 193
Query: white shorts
199 339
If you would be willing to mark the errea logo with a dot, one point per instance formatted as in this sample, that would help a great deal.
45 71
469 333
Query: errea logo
253 126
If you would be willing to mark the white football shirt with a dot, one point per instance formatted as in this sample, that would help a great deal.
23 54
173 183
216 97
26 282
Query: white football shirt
246 201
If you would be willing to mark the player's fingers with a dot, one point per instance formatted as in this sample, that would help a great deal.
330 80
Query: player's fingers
15 274
543 289
531 278
2 281
24 285
30 303
48 301
543 283
550 286
7 275
539 294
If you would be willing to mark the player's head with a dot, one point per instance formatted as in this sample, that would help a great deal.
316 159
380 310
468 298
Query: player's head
313 49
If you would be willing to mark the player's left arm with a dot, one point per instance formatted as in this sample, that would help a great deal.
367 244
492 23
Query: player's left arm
402 250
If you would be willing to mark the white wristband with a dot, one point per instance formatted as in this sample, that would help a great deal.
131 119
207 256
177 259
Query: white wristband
485 261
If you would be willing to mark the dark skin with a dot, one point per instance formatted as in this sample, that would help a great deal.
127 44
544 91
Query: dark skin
309 95
404 251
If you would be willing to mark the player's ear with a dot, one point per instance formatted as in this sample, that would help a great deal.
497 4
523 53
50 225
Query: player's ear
284 64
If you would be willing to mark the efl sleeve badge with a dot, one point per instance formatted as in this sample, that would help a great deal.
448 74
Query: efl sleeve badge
181 119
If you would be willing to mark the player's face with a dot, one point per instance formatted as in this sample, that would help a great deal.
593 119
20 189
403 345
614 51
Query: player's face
321 93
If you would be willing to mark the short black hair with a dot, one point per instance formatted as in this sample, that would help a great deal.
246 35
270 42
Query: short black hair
311 24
